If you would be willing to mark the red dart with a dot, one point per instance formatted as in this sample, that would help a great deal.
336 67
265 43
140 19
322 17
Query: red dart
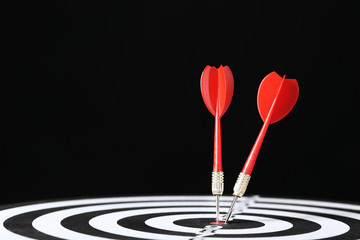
217 88
276 97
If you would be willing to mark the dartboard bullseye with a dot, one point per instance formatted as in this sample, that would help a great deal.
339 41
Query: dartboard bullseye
180 218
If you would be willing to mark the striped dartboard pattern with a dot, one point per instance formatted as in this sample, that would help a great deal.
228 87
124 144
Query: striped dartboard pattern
180 218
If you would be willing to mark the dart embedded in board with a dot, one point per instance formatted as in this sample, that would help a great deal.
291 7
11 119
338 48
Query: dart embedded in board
217 88
276 97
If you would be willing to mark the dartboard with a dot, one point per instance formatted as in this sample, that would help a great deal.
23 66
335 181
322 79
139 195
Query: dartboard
180 218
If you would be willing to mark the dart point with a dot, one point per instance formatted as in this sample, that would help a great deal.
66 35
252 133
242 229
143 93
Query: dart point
218 223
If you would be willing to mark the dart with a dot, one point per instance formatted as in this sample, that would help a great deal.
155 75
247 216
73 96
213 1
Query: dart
217 87
275 99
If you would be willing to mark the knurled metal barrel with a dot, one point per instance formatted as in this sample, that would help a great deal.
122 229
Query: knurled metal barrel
217 183
241 184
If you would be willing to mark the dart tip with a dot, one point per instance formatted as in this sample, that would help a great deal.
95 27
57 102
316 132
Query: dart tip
218 223
217 208
230 209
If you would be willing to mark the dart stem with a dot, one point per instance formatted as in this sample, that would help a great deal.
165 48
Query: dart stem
218 175
217 167
250 162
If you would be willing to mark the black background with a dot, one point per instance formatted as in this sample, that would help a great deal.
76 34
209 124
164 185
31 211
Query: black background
103 98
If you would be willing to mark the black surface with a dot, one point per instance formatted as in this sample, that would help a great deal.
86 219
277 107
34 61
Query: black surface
102 98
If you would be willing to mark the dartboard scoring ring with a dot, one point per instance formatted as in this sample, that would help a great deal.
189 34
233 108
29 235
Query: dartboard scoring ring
180 218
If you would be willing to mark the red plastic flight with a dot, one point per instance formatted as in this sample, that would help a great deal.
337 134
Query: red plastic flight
217 88
276 97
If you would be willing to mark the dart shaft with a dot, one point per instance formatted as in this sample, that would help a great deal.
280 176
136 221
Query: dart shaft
217 166
250 162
